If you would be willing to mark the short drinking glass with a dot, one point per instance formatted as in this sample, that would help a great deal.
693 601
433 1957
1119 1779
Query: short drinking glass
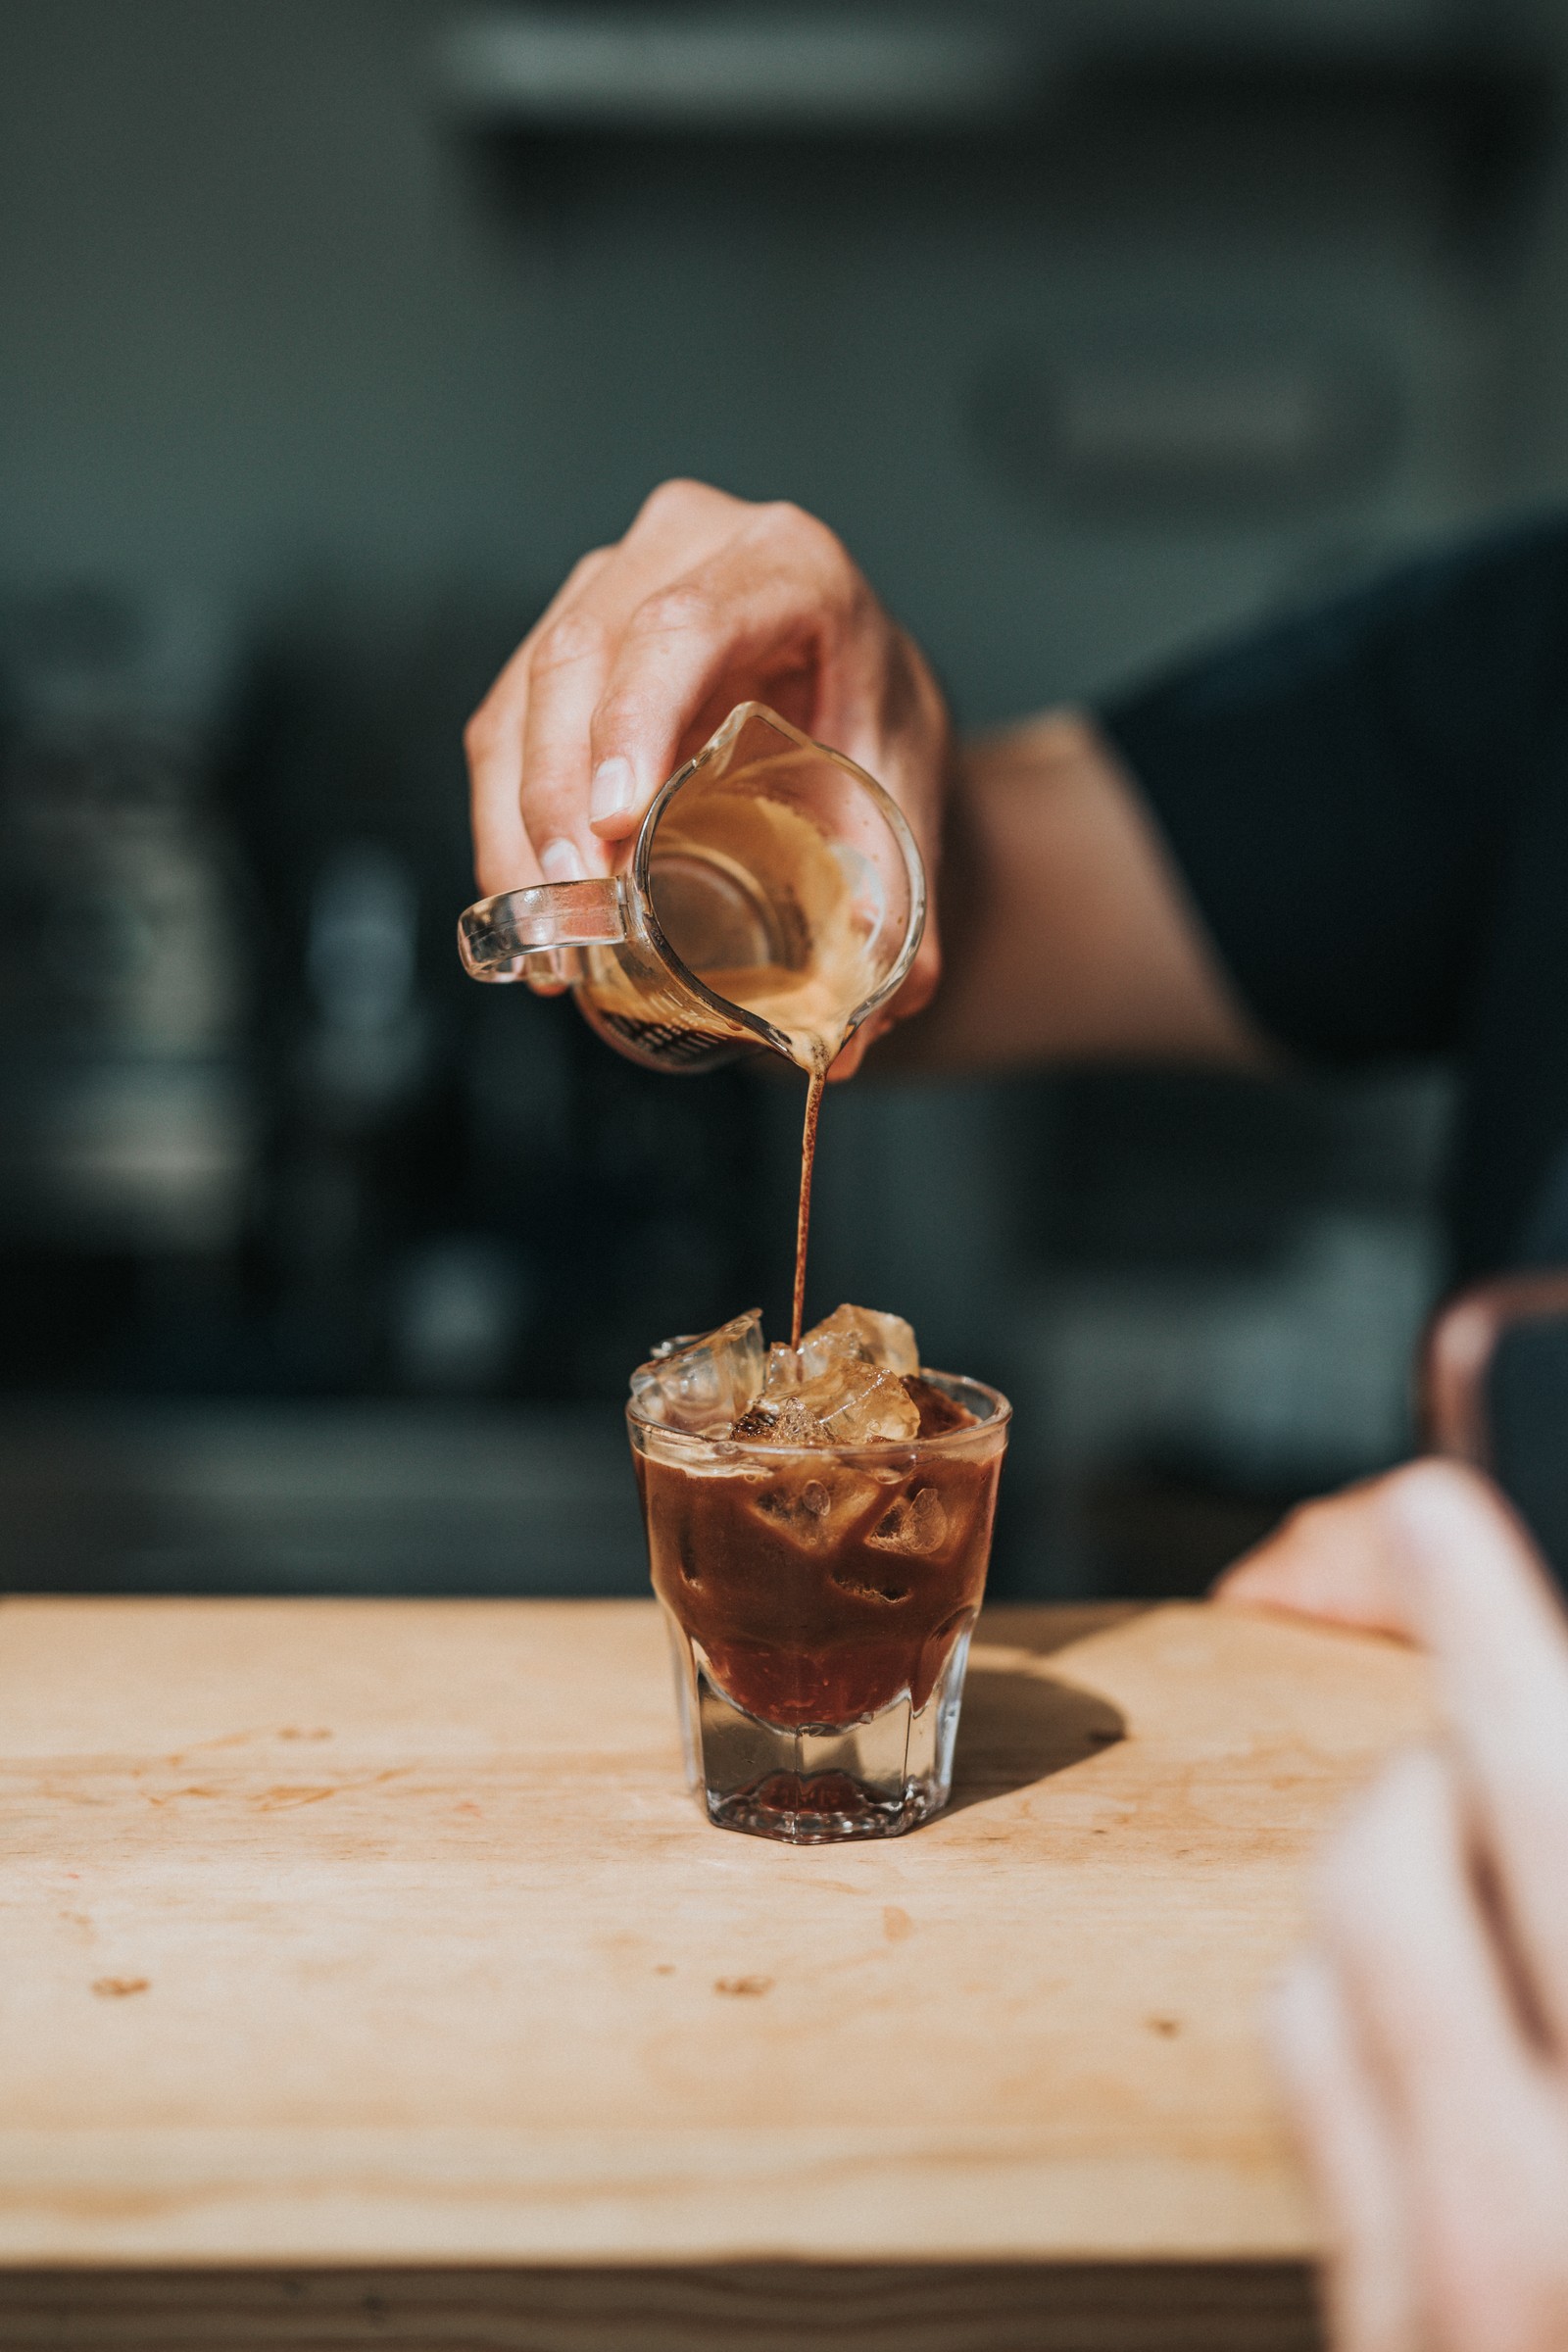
820 1600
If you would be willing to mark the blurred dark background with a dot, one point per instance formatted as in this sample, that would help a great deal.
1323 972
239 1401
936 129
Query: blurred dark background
333 331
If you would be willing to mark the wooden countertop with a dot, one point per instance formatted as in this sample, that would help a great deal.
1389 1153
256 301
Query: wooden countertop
359 1932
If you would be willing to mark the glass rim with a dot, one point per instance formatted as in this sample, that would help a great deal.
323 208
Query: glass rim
755 1449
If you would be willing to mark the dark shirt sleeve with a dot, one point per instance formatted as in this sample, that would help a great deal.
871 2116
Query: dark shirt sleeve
1340 788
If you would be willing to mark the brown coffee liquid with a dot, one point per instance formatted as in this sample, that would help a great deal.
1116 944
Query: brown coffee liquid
818 1590
814 1084
822 1591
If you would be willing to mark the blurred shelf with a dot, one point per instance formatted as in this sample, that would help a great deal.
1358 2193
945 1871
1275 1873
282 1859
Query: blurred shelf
601 69
994 79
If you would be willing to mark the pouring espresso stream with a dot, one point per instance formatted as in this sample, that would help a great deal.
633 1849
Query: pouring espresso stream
816 1029
774 900
811 1009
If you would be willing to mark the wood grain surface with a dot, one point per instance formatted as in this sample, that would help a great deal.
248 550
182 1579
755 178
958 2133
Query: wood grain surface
365 1933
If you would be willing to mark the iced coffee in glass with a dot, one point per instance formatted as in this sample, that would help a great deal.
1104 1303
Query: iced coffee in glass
818 1525
818 1515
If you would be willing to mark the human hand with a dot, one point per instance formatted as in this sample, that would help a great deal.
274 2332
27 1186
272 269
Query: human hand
1423 2033
707 601
1331 1559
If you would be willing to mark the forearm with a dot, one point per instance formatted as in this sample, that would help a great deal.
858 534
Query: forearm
1067 931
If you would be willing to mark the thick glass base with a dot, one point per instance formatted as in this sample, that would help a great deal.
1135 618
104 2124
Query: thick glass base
822 1783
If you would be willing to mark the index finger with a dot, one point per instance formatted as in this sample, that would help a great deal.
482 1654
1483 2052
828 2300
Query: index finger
778 601
504 856
1346 2141
1469 2108
1480 1600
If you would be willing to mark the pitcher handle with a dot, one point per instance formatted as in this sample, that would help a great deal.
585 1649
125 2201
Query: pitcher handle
522 934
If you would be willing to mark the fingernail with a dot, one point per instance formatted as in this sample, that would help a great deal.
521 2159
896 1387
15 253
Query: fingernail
561 861
614 789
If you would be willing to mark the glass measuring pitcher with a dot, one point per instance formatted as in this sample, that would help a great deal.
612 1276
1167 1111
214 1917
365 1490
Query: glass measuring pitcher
775 897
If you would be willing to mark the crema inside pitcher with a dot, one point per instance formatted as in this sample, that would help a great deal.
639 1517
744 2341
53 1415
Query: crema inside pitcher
767 913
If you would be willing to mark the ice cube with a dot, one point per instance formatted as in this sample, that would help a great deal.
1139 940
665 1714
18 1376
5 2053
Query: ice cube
859 1406
916 1523
865 1333
784 1373
820 1351
822 1507
795 1423
779 1421
703 1385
